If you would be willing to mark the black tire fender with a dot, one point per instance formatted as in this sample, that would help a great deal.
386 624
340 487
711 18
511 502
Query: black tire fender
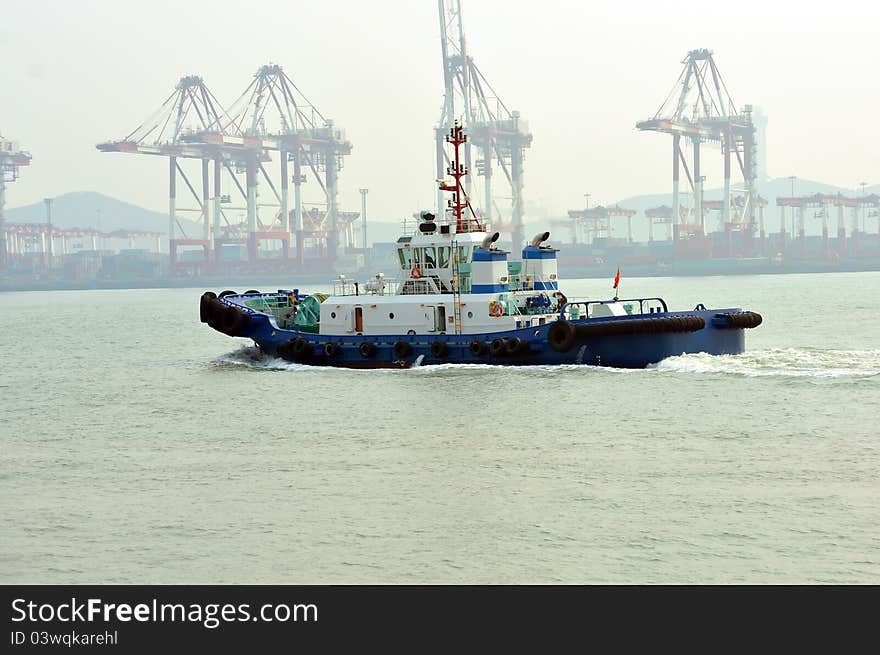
478 348
301 349
215 313
285 350
227 318
561 336
205 305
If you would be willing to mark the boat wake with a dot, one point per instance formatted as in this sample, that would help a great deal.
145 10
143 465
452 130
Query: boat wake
773 362
780 362
253 357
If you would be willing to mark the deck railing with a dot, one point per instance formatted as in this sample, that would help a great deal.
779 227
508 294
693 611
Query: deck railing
578 309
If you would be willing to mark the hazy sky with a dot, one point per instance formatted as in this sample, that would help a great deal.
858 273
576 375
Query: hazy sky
581 73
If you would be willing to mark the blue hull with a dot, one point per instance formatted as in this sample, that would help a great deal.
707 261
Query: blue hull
641 343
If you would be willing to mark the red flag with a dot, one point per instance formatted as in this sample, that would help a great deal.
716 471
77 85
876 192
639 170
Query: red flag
617 278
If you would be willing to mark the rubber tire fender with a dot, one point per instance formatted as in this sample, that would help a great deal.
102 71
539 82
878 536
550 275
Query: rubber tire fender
561 336
285 350
228 320
401 349
301 349
228 292
516 346
215 313
205 305
331 348
438 349
252 292
366 349
478 348
498 347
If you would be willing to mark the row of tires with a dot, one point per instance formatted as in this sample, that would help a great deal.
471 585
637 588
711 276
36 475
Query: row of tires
742 321
300 350
227 319
563 335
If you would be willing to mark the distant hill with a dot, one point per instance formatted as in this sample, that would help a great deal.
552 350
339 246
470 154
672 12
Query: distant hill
87 209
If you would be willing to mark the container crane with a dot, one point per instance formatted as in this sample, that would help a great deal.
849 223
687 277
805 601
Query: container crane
699 109
273 115
12 157
498 134
190 108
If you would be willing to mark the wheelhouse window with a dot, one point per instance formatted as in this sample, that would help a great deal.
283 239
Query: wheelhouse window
430 257
443 255
405 258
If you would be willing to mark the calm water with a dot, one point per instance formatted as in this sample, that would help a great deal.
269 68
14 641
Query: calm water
140 446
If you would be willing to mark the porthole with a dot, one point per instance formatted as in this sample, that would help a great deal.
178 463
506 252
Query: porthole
391 315
537 333
470 314
332 314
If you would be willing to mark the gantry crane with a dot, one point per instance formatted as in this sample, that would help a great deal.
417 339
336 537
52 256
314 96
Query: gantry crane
12 157
822 204
190 108
596 221
661 215
273 115
699 109
499 135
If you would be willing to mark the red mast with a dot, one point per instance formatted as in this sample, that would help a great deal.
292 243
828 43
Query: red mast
457 170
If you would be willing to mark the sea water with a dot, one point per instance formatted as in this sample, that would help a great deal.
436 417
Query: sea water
138 445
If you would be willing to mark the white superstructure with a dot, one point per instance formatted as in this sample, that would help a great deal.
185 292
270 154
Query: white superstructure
448 283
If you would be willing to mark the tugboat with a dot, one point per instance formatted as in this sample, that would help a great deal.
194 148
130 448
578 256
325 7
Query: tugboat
459 299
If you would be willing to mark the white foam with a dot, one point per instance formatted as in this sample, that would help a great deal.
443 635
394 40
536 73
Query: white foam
782 362
774 362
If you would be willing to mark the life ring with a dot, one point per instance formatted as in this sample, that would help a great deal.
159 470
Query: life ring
415 273
496 309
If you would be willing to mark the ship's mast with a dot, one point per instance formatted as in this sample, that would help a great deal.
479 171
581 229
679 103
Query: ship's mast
460 200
